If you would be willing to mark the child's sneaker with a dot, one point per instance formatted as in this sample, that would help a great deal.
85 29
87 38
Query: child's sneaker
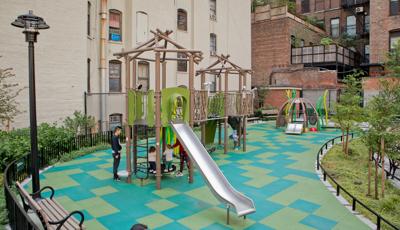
179 174
166 170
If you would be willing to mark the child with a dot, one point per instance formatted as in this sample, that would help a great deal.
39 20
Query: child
168 158
183 157
152 159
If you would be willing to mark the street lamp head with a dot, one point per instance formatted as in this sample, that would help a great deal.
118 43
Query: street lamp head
30 22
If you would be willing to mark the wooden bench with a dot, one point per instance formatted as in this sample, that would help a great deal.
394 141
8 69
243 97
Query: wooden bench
50 212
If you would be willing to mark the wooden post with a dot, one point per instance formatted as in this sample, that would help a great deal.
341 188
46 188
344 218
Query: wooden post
164 85
203 123
245 117
135 140
219 121
239 132
158 119
191 107
127 127
383 174
226 112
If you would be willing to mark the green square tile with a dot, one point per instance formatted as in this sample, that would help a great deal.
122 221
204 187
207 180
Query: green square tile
244 162
222 162
166 192
155 220
291 221
161 205
104 190
94 224
261 181
101 174
204 194
104 166
97 207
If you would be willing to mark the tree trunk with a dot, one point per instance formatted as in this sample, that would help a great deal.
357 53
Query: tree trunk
376 179
343 149
369 171
346 148
383 167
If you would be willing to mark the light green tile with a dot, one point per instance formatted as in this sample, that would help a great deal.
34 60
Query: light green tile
161 205
155 220
100 174
203 194
104 190
261 181
291 220
97 207
166 192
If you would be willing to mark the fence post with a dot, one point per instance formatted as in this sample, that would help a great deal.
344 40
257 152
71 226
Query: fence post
324 176
354 204
318 162
337 190
378 223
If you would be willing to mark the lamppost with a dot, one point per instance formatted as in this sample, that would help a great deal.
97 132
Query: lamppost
31 25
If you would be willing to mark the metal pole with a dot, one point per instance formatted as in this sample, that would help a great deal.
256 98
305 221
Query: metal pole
219 122
158 119
127 127
226 113
135 128
203 123
239 131
245 117
191 108
31 38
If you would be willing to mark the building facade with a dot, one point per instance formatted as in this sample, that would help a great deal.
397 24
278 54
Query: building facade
76 68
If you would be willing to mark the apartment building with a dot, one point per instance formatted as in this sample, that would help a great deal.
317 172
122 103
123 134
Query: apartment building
71 75
345 20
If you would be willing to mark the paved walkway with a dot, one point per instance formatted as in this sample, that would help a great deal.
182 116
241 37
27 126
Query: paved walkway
277 172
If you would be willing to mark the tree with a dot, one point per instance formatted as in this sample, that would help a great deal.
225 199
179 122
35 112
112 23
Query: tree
393 61
79 123
8 94
348 109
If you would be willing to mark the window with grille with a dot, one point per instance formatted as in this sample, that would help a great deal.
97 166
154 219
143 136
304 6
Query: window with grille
115 121
335 27
394 7
144 75
115 26
366 23
351 27
213 44
142 27
182 20
213 10
182 65
305 6
114 76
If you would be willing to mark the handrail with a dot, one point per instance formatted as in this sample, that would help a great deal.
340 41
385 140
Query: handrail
339 188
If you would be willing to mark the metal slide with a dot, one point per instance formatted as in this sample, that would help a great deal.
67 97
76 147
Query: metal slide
217 182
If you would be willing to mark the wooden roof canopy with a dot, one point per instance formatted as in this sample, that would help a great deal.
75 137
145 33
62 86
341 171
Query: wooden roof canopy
222 65
153 45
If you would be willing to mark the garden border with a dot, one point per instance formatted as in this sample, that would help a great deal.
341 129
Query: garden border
323 174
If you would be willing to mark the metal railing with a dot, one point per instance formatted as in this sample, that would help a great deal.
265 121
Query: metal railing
339 188
19 170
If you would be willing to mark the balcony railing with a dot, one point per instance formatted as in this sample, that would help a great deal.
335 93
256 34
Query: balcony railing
353 3
324 55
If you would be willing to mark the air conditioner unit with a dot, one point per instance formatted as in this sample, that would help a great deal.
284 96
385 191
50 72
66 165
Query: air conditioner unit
359 9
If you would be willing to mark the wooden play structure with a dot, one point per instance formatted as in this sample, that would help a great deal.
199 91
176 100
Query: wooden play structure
184 104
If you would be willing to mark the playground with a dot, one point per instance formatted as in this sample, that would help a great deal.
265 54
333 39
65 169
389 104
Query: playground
277 172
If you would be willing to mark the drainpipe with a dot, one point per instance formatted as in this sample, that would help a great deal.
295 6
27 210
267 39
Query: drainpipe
103 63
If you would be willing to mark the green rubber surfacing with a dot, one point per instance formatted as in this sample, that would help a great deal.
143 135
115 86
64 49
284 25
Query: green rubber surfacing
277 172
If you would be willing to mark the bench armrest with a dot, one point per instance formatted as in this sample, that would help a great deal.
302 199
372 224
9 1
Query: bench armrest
62 222
41 190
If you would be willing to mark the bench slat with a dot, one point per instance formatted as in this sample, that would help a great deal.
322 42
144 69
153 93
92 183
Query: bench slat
57 213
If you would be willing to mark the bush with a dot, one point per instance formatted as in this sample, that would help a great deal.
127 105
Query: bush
16 143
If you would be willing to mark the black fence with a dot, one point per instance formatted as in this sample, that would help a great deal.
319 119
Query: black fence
354 200
19 170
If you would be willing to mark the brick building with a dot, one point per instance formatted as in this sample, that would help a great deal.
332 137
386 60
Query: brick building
342 19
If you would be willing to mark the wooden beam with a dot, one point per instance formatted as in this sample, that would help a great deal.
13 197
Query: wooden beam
127 127
158 118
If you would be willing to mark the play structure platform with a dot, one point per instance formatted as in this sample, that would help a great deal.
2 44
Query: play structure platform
217 182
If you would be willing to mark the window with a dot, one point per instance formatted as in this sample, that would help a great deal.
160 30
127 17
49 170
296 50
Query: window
293 41
335 27
182 65
142 27
213 80
305 6
366 24
213 10
115 121
394 7
115 26
144 75
394 38
366 53
114 76
88 75
351 28
182 20
89 8
302 43
213 44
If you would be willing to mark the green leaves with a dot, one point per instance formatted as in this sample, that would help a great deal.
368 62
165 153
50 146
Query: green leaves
393 61
79 123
